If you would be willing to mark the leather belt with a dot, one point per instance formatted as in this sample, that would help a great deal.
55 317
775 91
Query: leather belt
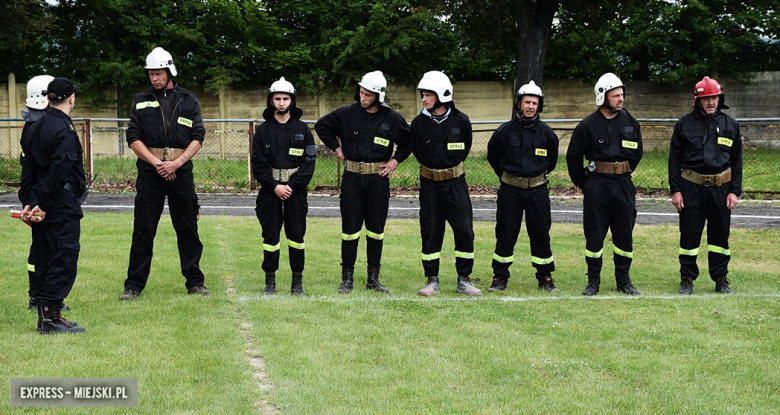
283 175
362 167
167 153
438 175
609 167
523 182
707 179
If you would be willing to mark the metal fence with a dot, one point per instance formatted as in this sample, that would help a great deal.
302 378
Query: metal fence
222 165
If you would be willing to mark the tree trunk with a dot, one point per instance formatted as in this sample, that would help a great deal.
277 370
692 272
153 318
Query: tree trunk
534 25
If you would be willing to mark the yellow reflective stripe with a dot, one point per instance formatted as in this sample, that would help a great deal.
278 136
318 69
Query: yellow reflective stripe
345 237
622 252
504 259
718 250
542 261
374 235
467 255
591 254
630 144
381 141
725 141
185 121
431 257
147 104
456 146
271 248
689 252
296 245
31 267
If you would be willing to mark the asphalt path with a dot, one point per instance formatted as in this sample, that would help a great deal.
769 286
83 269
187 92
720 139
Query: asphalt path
747 214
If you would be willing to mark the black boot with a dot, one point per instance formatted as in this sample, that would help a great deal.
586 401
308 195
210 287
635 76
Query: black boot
270 283
686 286
593 286
297 284
499 284
627 288
722 285
51 320
372 281
40 317
347 280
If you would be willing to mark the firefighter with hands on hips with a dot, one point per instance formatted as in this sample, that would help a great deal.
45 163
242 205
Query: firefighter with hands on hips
610 142
165 132
368 130
705 179
523 152
441 141
283 157
53 155
37 104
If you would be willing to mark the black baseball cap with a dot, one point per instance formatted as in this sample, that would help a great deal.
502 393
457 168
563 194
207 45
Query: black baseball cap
62 87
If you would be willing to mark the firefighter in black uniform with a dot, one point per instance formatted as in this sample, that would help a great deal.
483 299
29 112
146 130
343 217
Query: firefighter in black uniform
283 157
54 153
37 104
441 141
165 132
610 140
367 131
523 152
705 178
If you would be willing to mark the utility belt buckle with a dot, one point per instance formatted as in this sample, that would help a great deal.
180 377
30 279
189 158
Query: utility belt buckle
592 166
707 180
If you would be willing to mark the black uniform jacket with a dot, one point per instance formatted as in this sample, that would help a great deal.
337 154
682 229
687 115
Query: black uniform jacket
28 179
54 153
441 144
283 146
365 136
597 138
706 145
176 128
523 148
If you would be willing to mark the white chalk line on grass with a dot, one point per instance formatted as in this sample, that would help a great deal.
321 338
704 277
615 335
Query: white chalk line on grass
347 299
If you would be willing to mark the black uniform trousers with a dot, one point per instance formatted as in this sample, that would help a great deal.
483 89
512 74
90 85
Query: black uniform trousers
273 213
149 203
704 203
609 204
364 198
56 261
447 200
512 202
34 291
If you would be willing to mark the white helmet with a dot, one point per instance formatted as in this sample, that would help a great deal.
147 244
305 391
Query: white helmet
36 98
530 89
437 82
374 82
606 83
159 58
284 86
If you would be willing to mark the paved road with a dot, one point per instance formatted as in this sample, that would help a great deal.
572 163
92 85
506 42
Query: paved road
748 214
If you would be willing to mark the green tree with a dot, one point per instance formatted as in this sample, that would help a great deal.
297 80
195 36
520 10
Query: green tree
103 43
22 37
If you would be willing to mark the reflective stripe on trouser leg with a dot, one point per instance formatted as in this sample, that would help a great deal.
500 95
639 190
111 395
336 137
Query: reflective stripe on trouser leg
509 218
501 266
297 252
269 213
374 247
295 210
538 223
460 216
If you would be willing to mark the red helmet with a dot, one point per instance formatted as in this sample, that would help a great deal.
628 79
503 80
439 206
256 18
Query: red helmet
708 87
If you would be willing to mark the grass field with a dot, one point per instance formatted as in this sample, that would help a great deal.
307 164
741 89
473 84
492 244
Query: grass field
519 351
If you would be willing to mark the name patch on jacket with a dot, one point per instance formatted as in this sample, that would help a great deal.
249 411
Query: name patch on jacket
296 151
381 141
185 121
541 152
725 141
630 144
147 104
456 146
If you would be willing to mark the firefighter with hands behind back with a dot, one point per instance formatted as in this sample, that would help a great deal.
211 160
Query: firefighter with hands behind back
705 178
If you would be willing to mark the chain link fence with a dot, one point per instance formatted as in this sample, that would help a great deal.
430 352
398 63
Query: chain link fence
222 165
